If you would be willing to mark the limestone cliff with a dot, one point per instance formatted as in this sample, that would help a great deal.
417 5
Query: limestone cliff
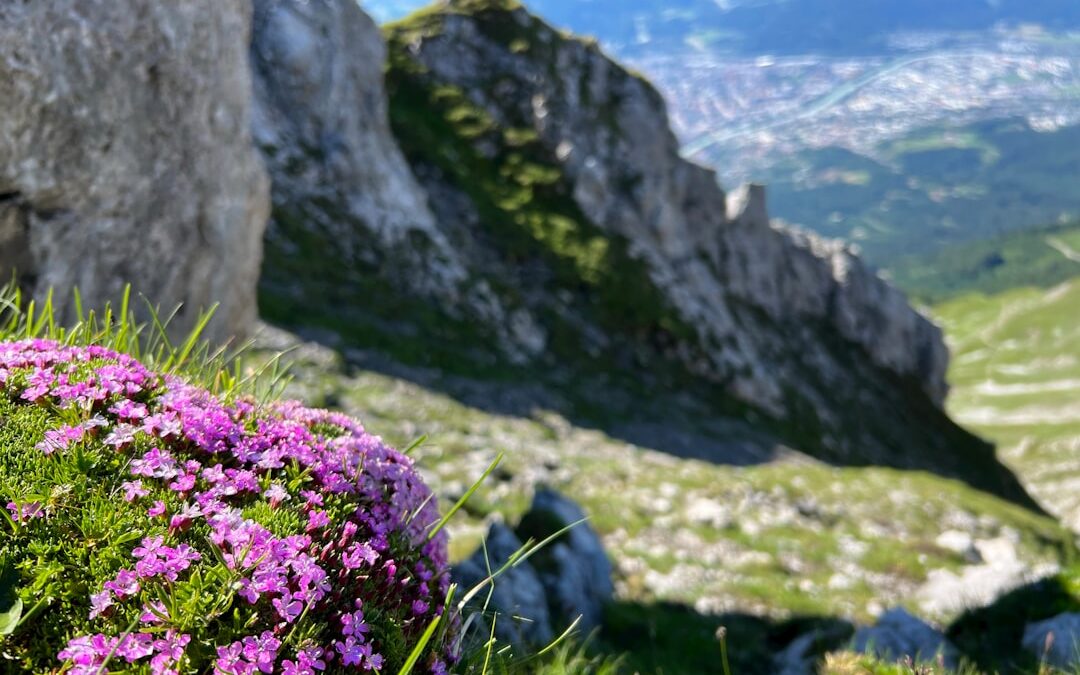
342 190
546 216
126 154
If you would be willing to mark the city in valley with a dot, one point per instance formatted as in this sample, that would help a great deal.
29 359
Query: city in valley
741 114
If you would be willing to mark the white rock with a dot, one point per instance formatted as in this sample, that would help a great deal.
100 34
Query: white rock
959 542
706 511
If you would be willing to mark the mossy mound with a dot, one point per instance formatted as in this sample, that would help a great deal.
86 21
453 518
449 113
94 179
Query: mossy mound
151 526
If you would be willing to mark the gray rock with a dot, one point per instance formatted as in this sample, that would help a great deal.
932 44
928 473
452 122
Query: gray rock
517 601
712 255
321 123
899 635
126 154
793 325
803 654
574 568
1064 645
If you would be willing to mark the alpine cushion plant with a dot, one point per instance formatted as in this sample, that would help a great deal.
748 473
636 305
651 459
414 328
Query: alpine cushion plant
152 526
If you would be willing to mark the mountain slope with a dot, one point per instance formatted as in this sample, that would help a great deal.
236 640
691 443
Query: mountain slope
771 552
1010 306
1041 257
1017 380
557 169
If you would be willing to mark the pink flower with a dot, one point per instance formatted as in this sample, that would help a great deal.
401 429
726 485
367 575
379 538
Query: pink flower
121 436
288 608
217 456
169 650
100 603
277 494
135 646
317 520
154 612
184 483
21 513
124 585
133 489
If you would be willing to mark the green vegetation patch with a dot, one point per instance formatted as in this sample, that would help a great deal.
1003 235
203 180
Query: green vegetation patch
522 197
1041 257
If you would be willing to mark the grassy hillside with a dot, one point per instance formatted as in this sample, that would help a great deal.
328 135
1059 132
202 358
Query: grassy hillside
767 549
938 186
1042 257
1016 379
1010 308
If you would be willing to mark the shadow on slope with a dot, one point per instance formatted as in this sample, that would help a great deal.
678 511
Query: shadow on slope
990 637
661 408
675 640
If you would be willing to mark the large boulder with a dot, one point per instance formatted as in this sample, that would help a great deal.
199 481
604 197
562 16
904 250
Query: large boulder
126 154
320 121
516 601
574 568
565 581
899 635
1056 639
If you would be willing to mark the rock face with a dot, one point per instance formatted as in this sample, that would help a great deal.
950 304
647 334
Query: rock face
565 581
609 132
553 170
126 154
1057 640
342 192
899 635
517 597
320 120
574 567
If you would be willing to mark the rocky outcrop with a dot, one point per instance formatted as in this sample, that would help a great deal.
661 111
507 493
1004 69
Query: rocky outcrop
343 194
126 154
1055 640
552 170
320 121
898 635
567 580
517 602
574 567
609 132
996 570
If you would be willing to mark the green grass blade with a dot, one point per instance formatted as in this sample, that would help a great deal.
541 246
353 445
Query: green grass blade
465 497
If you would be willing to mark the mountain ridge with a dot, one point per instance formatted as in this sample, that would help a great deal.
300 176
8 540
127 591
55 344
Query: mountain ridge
554 177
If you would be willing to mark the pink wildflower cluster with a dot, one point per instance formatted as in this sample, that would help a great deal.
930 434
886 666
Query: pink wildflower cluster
198 465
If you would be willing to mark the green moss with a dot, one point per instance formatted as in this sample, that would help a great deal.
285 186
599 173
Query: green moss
523 198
